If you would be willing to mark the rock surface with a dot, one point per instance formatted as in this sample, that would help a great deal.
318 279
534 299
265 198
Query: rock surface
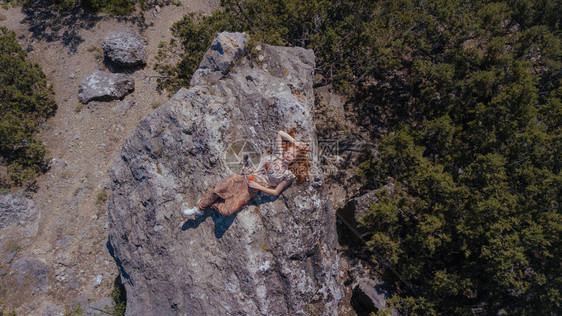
16 210
359 206
83 301
125 48
275 257
32 272
105 86
225 50
369 294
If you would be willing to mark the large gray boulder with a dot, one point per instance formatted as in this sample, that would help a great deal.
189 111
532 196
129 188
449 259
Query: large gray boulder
125 48
275 257
105 86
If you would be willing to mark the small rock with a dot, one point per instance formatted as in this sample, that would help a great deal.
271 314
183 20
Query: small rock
157 8
64 260
57 162
73 284
105 86
125 49
98 279
64 241
3 17
10 256
72 76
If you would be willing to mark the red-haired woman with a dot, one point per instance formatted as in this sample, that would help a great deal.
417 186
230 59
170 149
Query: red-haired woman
286 163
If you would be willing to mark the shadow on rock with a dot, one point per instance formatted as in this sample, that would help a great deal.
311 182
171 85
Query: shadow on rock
194 223
264 198
222 223
120 69
117 260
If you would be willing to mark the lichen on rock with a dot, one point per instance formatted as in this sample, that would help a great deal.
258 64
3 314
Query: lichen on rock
125 48
105 86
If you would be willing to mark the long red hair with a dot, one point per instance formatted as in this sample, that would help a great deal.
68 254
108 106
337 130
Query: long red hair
300 167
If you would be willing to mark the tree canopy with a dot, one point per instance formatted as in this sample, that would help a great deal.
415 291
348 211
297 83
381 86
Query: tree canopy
112 7
26 99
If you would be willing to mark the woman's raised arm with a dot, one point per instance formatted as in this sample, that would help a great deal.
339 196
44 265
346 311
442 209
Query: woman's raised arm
283 135
278 148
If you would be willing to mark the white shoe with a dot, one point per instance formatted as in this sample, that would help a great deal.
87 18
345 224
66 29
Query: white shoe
192 211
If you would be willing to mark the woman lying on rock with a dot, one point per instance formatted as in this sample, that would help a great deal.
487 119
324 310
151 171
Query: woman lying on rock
287 163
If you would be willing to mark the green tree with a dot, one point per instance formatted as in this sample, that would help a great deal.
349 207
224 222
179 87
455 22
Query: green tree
477 168
26 99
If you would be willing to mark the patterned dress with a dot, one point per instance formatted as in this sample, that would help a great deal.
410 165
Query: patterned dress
233 192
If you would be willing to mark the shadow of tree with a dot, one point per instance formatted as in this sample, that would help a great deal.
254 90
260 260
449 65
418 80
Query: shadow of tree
47 22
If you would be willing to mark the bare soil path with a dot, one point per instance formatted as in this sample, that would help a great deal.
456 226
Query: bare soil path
84 141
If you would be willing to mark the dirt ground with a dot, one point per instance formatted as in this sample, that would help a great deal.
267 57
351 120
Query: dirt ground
83 142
